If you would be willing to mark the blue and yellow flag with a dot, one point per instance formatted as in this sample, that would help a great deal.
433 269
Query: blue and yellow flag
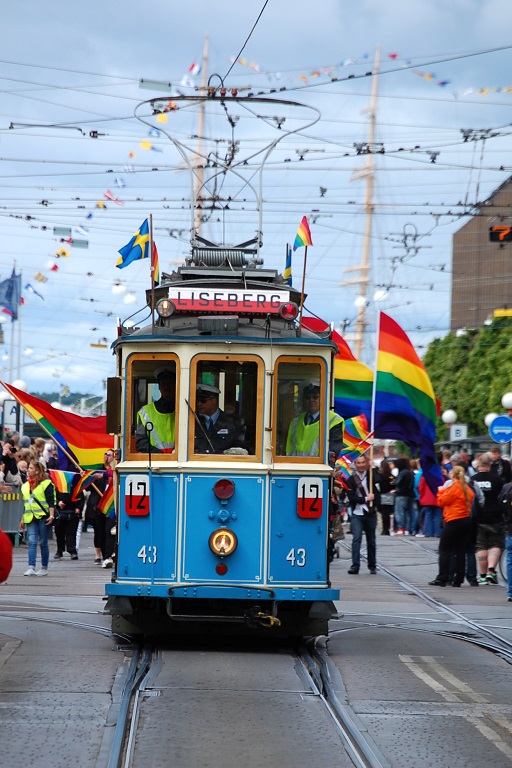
287 274
137 248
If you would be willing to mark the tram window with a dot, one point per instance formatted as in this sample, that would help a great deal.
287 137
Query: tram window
299 410
153 403
225 411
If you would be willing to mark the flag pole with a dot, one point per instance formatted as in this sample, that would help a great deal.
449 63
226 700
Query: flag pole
151 273
303 285
372 413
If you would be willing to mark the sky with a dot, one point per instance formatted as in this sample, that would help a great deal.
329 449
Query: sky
70 138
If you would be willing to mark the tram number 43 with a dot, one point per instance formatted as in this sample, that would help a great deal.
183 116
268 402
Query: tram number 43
297 557
310 491
136 495
147 555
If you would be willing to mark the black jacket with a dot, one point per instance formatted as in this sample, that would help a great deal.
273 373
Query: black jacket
505 499
227 432
356 494
491 485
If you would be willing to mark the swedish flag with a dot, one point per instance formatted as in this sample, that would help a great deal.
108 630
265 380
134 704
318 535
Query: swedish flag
137 248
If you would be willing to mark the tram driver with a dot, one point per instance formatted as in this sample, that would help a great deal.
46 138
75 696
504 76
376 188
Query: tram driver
161 414
304 430
216 431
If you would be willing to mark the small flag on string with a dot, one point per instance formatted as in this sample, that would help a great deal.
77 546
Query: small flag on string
31 289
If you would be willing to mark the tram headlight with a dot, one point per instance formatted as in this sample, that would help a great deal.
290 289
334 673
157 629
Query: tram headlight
165 308
223 542
289 311
224 488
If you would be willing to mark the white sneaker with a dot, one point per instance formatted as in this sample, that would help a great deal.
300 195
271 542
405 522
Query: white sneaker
30 572
42 572
108 563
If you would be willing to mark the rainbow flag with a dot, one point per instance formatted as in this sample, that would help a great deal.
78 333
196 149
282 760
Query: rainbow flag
356 433
155 266
85 480
62 480
83 437
404 400
303 236
287 274
106 503
353 382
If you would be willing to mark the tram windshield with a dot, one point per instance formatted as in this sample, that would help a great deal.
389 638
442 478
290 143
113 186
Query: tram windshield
300 410
152 399
227 405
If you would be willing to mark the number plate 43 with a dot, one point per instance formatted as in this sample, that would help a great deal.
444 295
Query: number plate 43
136 495
310 491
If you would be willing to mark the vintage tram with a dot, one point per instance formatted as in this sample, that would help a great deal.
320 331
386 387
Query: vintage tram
225 528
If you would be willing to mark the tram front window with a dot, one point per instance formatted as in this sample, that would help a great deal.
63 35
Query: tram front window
226 404
300 410
154 406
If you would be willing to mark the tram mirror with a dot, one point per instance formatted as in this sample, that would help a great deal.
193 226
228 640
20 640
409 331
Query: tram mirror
114 405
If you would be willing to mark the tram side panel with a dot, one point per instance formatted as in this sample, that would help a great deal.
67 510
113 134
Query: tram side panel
148 527
298 531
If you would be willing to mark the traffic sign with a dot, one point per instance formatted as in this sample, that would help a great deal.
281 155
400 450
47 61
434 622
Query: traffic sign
501 429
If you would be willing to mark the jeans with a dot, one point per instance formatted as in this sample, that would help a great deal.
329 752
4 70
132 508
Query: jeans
432 524
368 524
404 513
508 547
38 530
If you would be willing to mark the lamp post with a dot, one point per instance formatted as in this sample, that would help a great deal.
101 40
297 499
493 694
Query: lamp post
449 418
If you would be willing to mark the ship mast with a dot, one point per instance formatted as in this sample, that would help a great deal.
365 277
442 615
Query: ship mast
367 172
199 176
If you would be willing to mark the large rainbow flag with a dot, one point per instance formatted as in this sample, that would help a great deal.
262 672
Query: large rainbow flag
405 405
353 382
83 437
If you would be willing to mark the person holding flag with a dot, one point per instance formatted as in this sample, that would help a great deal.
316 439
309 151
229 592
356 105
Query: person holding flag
101 523
363 492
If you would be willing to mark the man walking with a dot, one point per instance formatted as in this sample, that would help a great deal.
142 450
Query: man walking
364 497
490 536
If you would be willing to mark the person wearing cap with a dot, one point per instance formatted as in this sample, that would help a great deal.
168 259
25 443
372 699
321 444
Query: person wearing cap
161 414
216 431
304 430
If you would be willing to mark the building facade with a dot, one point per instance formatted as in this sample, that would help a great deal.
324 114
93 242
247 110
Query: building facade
481 268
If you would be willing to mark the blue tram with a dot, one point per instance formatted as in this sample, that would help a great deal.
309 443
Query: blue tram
222 508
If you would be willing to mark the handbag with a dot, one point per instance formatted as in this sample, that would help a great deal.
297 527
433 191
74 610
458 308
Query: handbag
387 500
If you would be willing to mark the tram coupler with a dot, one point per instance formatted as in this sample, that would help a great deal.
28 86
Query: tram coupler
256 617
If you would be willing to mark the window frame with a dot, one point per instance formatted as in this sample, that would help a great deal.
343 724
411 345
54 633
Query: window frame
259 413
156 358
324 413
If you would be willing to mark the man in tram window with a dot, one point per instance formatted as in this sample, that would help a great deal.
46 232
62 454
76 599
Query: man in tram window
216 431
304 430
161 414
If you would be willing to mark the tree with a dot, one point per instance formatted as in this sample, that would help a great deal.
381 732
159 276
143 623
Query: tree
470 372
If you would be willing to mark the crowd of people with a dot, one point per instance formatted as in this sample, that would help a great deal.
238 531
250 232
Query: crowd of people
470 514
24 467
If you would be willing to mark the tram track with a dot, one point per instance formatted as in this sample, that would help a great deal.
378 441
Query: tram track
499 645
314 669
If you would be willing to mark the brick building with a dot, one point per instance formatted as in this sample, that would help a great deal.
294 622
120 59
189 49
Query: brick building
482 270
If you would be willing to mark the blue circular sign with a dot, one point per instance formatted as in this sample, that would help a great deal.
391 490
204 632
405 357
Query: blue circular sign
501 429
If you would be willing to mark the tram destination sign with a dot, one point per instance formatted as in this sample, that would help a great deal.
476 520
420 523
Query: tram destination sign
213 300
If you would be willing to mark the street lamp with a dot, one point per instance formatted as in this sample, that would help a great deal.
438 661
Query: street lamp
506 401
449 418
